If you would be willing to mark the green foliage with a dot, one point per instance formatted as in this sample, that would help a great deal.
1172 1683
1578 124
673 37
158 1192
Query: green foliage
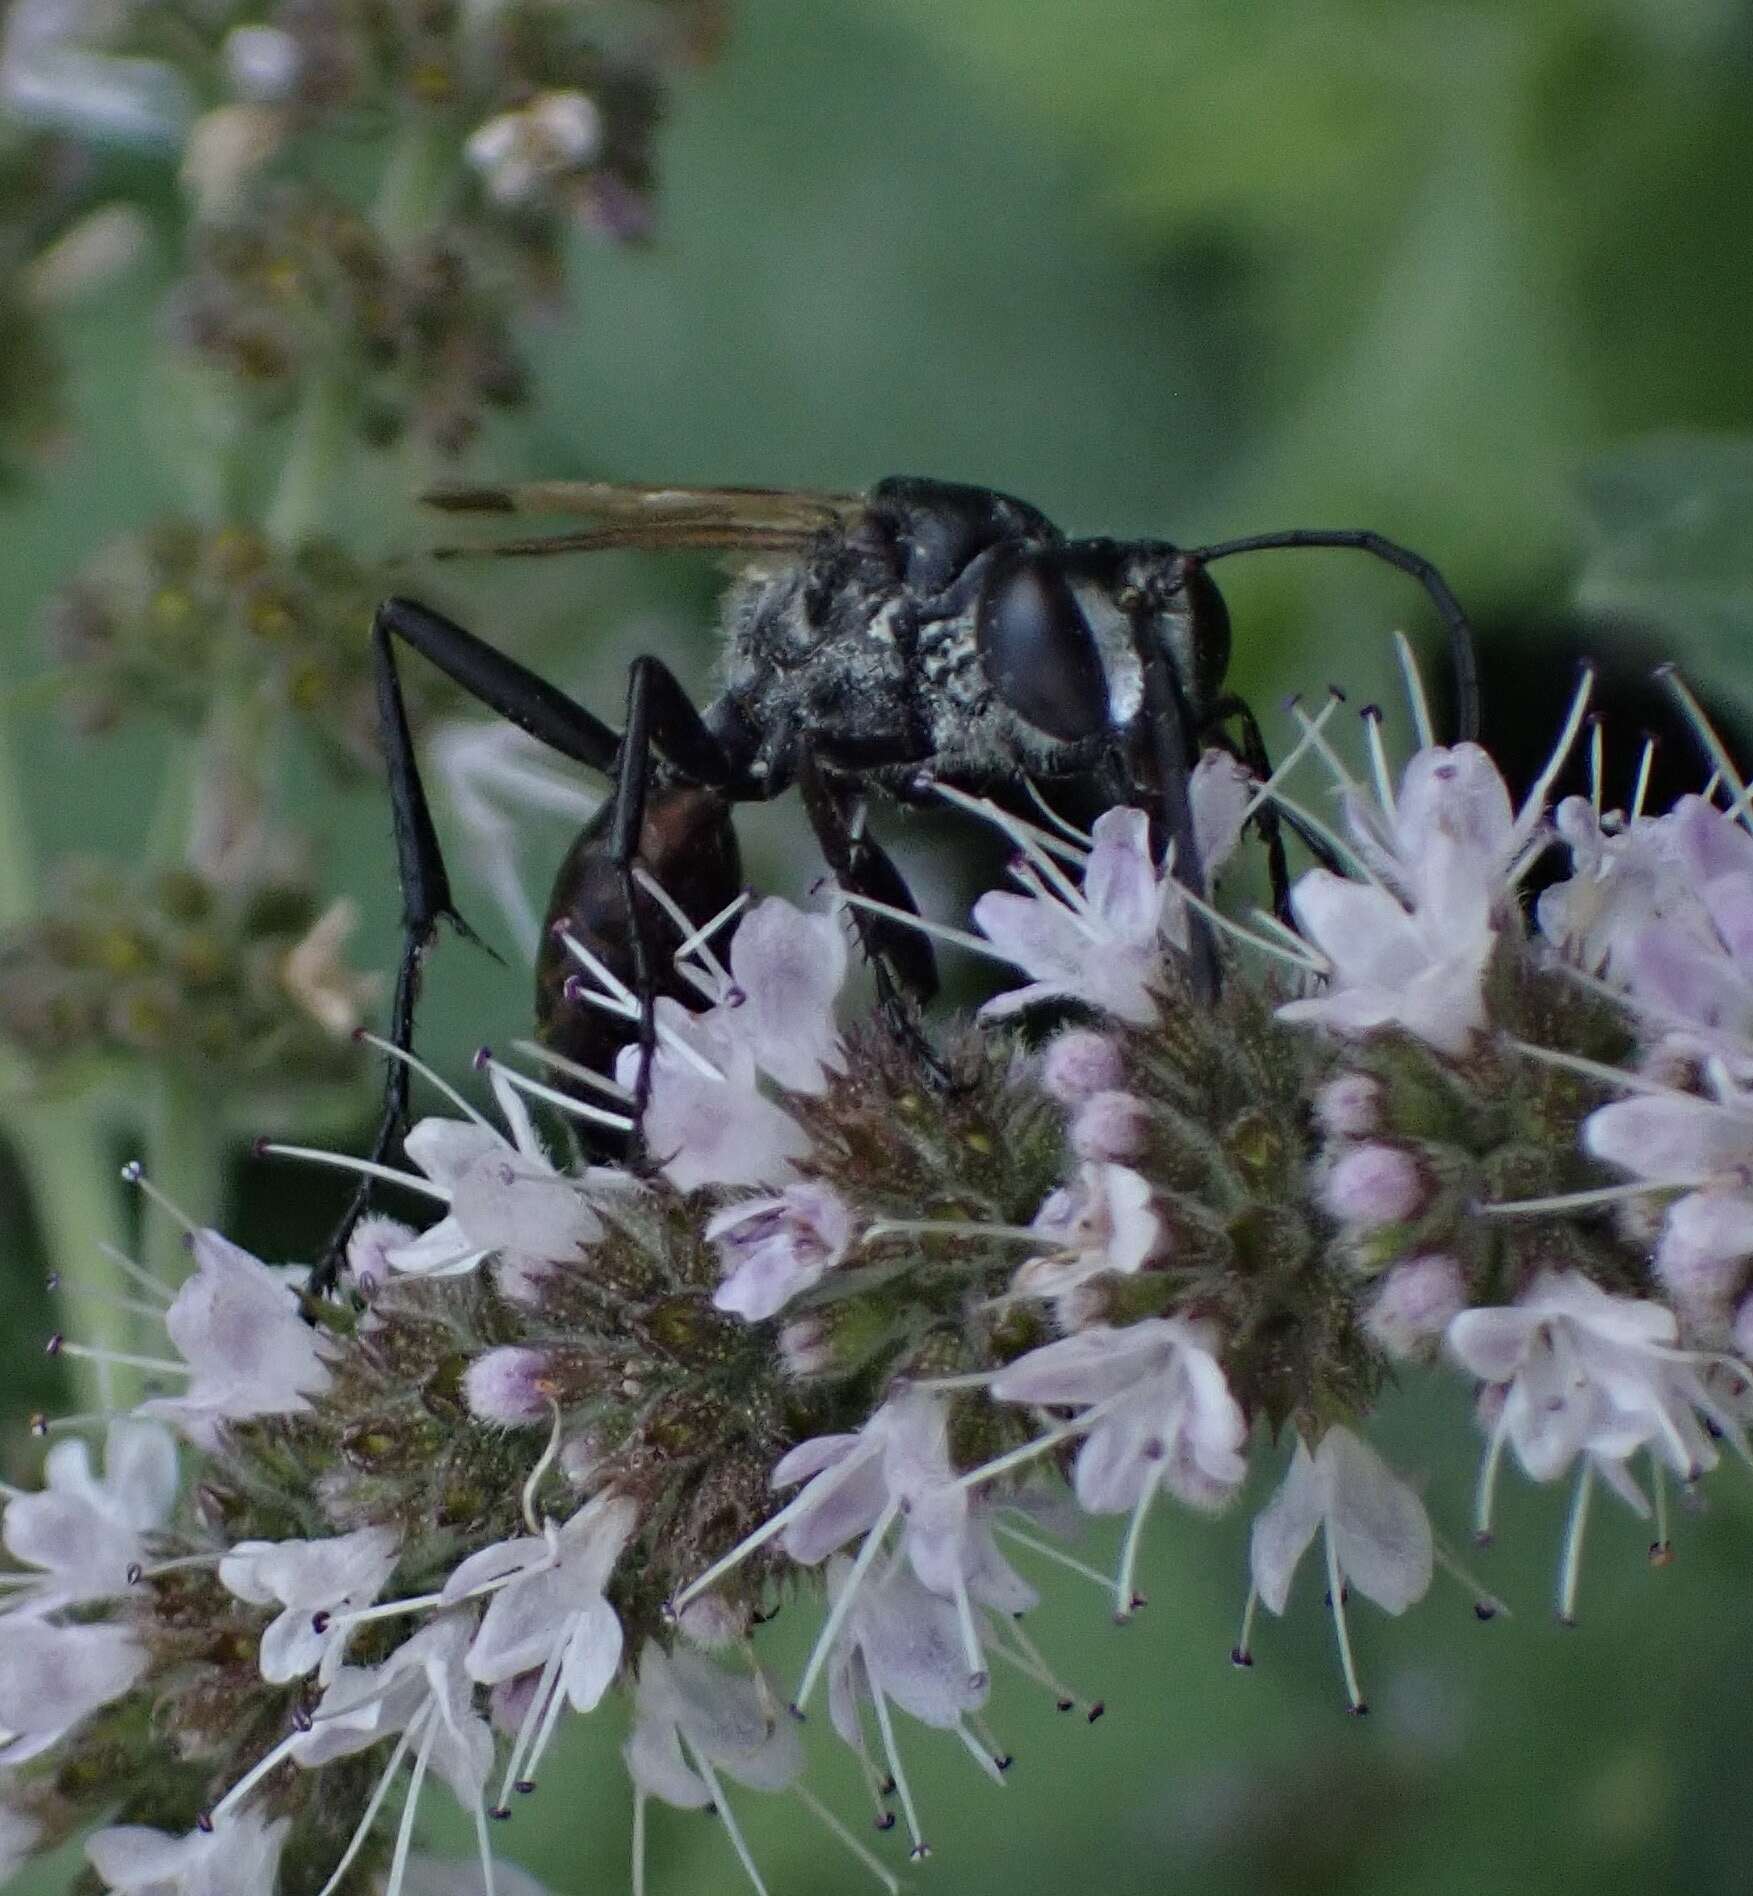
1671 555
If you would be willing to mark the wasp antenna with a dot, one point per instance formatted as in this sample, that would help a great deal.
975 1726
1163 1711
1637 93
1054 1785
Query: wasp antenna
496 500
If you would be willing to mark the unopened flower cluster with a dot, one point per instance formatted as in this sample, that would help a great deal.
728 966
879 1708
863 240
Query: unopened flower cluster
507 124
241 976
882 1334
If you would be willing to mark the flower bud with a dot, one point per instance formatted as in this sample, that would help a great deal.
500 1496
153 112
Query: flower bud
1415 1305
1374 1185
1081 1063
712 1622
1349 1107
509 1386
262 62
522 1279
1110 1127
372 1237
806 1348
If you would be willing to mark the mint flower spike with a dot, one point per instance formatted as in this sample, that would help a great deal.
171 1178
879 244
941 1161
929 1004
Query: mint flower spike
87 1534
1374 1528
242 1853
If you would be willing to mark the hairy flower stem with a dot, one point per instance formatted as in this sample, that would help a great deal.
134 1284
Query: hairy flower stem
59 1145
67 1162
419 177
185 1159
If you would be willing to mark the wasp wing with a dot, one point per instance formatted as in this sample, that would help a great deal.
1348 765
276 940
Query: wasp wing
647 516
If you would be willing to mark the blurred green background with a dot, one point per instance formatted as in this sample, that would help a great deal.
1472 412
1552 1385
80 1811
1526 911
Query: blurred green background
1474 274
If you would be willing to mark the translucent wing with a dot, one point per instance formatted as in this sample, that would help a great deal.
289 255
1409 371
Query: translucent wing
626 514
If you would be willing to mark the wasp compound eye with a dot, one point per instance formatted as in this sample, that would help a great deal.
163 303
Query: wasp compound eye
1037 650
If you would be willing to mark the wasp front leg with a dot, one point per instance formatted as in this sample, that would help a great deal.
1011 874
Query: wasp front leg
901 958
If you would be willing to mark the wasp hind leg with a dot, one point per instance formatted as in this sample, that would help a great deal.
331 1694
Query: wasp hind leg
516 693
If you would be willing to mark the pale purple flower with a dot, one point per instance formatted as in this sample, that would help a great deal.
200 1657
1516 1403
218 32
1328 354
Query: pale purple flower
1377 1531
708 1122
239 1856
693 1719
1625 874
1676 1140
505 1195
773 1248
898 1467
1451 816
1159 1413
1101 943
52 1678
1706 1242
1586 1372
1103 1221
318 1583
1408 944
1421 969
1414 1305
547 1607
787 968
772 1015
1666 909
86 1533
422 1691
899 1644
237 1324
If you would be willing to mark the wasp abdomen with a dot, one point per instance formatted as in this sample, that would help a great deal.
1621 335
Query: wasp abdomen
689 845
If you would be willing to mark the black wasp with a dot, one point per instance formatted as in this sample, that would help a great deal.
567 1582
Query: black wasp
924 632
